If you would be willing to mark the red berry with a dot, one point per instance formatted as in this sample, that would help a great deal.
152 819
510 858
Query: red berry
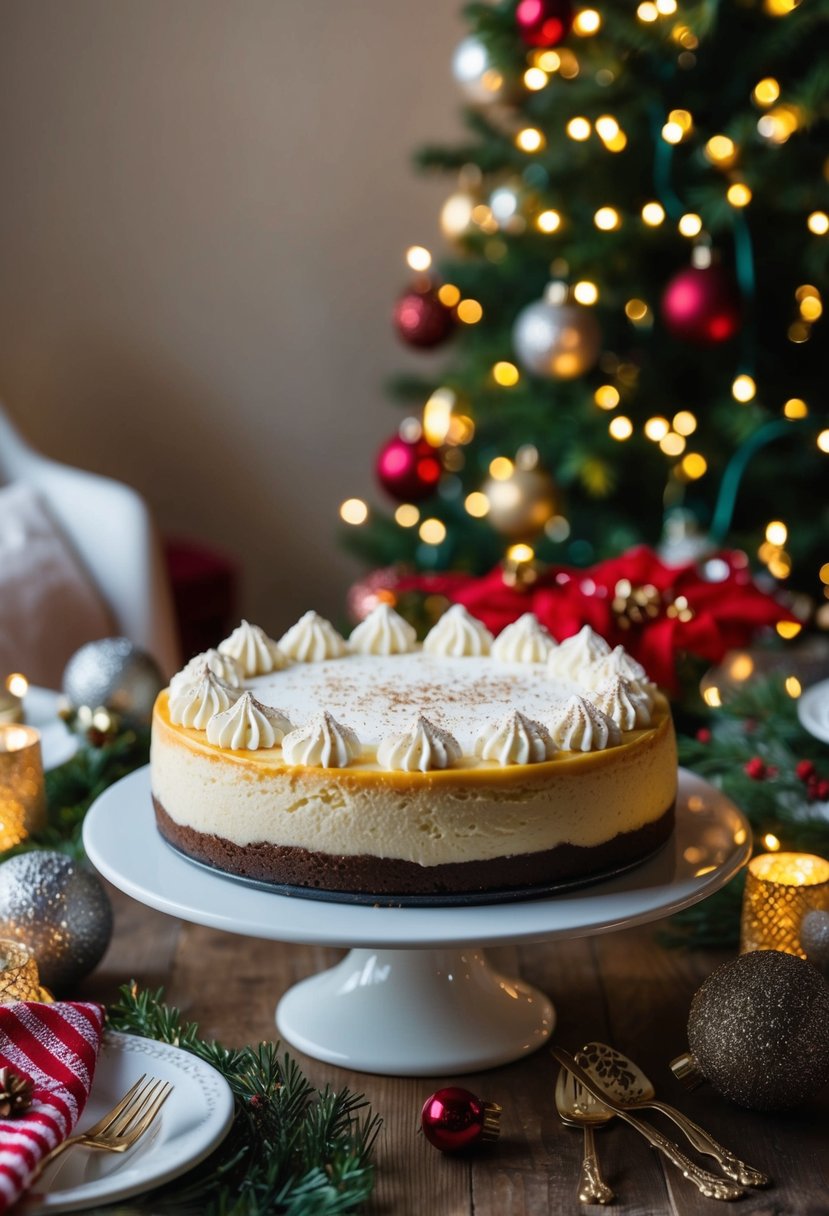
703 735
755 768
823 790
804 769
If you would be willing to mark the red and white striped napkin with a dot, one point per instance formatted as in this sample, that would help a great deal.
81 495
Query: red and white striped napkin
56 1047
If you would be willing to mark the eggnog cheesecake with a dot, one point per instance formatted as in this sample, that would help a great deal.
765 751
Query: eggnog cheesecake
377 766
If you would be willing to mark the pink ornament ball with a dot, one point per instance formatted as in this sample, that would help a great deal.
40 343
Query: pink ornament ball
544 23
701 305
408 471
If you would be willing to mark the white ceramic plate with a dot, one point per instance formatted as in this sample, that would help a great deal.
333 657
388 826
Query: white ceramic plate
193 1121
57 743
813 710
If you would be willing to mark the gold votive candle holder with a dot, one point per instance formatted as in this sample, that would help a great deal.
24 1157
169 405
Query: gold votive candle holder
22 787
19 978
12 691
780 889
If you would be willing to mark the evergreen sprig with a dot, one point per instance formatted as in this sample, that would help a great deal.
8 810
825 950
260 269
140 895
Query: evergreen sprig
292 1150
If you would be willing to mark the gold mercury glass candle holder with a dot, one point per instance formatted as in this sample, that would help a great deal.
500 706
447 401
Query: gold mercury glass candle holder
22 789
19 978
780 889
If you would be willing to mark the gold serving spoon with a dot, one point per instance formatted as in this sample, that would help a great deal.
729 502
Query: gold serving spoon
625 1081
578 1108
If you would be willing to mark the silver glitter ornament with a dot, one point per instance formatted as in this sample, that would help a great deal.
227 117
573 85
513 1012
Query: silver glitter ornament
59 910
814 938
556 339
114 674
759 1030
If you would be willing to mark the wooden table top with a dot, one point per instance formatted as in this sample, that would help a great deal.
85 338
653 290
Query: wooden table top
622 988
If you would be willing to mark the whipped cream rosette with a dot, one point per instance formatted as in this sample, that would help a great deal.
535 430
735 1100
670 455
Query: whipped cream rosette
312 639
524 641
384 631
253 650
195 704
580 726
619 663
569 660
626 702
247 725
515 739
222 666
422 748
458 635
321 743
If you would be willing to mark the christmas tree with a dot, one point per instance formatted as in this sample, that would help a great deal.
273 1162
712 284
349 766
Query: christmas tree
630 306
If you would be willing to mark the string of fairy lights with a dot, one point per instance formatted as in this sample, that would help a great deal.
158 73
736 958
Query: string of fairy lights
447 422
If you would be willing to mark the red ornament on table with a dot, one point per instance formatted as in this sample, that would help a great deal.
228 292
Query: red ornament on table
409 471
701 304
544 23
421 319
454 1119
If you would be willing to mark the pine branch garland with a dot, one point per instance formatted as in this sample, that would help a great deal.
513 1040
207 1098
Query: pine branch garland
292 1150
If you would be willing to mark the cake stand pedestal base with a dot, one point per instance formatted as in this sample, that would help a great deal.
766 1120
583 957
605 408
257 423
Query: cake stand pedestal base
415 1013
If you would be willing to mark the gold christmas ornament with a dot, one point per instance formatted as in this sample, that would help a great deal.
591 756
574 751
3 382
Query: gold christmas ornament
521 503
638 604
15 1093
781 888
22 789
19 978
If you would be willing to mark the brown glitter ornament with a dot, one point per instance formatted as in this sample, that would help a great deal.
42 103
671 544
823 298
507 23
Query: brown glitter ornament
759 1031
15 1093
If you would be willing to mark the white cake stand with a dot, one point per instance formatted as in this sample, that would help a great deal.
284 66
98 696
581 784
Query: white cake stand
415 995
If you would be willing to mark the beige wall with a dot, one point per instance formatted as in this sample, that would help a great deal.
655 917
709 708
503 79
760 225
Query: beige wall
203 210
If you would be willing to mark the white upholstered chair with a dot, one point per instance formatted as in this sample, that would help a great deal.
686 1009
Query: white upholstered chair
110 528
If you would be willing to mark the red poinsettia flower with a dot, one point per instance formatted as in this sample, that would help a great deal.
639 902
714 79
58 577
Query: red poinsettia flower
654 610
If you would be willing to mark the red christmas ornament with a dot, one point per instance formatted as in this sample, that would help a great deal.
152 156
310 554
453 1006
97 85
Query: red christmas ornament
544 22
421 319
453 1119
409 471
701 304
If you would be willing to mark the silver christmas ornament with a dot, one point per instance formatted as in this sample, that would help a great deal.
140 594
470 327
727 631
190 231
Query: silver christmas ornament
59 910
473 70
556 339
114 674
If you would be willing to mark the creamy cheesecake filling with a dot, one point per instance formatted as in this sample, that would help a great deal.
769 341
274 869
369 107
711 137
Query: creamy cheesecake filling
478 812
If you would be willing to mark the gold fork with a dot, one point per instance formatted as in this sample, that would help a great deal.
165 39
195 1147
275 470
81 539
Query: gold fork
120 1127
577 1108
